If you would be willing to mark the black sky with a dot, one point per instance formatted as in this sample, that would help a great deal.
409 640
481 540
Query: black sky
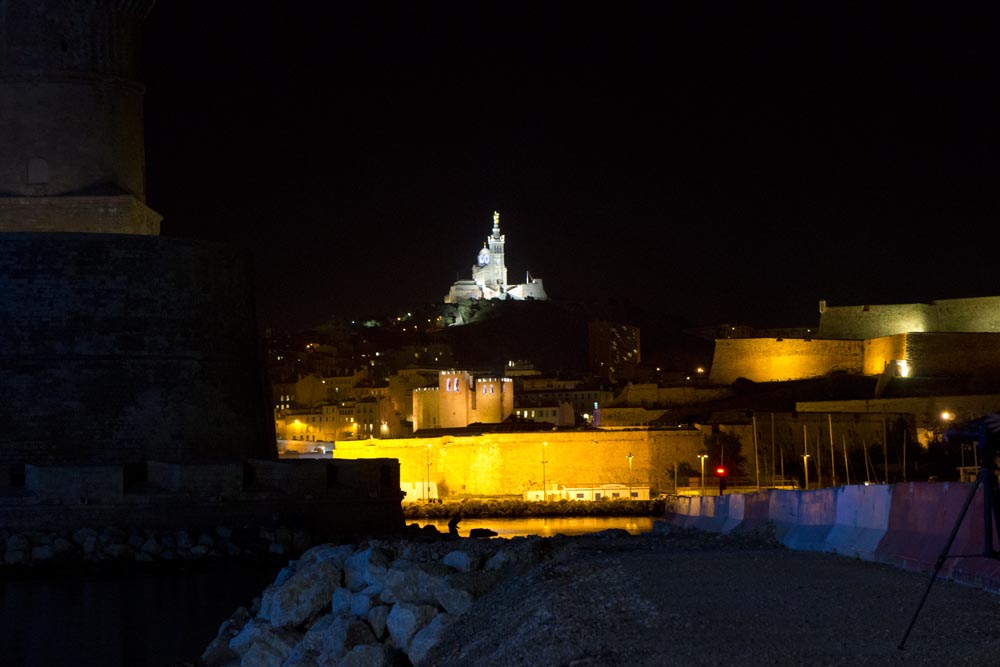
724 162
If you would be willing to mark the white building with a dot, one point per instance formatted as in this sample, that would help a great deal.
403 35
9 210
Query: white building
489 275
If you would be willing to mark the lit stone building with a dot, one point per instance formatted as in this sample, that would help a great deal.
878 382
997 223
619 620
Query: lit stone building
938 339
489 275
461 399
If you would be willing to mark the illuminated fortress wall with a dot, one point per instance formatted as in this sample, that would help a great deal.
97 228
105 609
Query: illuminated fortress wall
862 322
778 360
970 315
927 355
510 463
880 352
952 338
947 316
953 354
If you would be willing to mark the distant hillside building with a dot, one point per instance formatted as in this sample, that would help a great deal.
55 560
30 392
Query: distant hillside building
489 275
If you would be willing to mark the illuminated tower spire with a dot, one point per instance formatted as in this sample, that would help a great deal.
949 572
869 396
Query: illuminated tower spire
490 272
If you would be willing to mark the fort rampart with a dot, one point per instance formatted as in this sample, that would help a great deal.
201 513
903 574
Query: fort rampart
511 463
951 354
778 360
981 314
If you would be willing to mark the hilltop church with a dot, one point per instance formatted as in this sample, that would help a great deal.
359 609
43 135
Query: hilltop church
489 275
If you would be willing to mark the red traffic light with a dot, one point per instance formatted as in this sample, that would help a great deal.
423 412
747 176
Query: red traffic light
720 472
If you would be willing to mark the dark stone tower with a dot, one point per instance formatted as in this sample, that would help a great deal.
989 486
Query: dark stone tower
71 121
117 346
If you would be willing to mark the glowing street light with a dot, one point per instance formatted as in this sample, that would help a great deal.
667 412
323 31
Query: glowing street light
629 457
545 495
805 466
703 457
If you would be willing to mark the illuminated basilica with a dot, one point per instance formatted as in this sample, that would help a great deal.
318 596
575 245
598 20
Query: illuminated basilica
489 275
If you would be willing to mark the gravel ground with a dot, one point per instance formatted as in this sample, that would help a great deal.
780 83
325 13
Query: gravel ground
689 598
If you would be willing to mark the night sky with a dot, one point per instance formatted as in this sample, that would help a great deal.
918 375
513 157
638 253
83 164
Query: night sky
722 162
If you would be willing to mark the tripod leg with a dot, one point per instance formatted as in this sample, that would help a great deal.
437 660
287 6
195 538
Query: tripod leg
944 553
991 507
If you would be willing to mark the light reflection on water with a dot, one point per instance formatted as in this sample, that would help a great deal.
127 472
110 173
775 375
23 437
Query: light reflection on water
545 526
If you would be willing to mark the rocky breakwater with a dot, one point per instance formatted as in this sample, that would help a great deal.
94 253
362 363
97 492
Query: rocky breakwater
377 603
113 547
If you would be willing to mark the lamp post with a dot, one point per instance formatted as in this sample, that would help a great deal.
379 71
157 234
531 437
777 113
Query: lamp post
427 479
545 495
805 466
629 457
703 457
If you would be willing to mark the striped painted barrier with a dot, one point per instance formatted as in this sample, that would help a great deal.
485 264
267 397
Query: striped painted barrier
905 525
923 516
862 520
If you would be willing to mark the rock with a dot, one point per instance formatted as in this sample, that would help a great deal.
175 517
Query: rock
368 655
363 601
417 583
427 637
367 566
307 592
17 556
377 618
405 620
341 601
462 561
218 652
482 532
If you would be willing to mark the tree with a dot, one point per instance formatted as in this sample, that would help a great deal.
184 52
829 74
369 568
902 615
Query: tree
725 449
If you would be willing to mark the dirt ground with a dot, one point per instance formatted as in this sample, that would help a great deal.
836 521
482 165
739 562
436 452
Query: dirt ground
686 598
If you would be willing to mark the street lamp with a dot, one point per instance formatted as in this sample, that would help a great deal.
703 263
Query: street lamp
427 480
703 457
805 466
545 495
629 457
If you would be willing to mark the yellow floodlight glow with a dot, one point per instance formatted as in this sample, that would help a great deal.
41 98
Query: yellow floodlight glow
904 368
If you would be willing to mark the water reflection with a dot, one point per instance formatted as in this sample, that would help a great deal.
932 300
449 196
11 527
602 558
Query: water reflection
545 526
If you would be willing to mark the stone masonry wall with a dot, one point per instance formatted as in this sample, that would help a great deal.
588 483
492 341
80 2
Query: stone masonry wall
121 349
510 463
951 315
776 359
